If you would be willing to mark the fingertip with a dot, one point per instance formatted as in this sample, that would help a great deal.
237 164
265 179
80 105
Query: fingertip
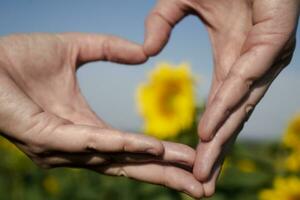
195 190
126 52
156 35
204 131
189 156
153 46
201 173
206 157
192 187
209 189
179 153
140 55
204 176
149 49
210 186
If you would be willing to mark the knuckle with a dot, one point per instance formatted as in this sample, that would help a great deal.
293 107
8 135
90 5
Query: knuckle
249 108
126 144
122 172
221 103
106 47
242 77
218 100
91 144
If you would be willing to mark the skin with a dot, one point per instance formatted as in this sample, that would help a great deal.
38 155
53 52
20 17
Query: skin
44 114
252 41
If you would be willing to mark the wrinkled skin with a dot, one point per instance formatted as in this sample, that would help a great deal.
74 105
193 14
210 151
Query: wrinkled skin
44 114
252 41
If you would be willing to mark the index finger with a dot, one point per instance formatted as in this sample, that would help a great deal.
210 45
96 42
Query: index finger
79 138
93 47
157 173
160 23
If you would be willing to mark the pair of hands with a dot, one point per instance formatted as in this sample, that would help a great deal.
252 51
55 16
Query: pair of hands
43 112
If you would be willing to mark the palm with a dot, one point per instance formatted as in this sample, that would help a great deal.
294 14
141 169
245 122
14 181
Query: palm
45 115
47 76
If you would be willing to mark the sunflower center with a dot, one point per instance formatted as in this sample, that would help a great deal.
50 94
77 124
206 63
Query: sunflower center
294 197
168 97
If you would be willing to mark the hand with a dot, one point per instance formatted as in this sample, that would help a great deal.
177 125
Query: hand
43 112
252 41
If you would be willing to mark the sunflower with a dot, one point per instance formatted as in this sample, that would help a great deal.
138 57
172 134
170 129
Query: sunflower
291 140
167 100
292 162
291 136
283 189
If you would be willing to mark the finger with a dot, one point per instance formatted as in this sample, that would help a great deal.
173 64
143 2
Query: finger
93 47
173 153
208 152
160 22
166 175
215 163
247 70
226 50
209 187
178 153
80 139
210 155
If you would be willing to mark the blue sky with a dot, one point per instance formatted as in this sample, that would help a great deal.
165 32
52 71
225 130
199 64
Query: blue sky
110 88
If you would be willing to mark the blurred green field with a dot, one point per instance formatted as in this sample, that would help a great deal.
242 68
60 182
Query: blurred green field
249 168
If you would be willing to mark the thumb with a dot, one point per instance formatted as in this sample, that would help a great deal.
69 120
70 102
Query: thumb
160 22
95 47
